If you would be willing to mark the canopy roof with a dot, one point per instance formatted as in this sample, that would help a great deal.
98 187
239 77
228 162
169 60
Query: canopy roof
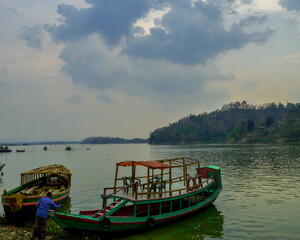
149 164
50 169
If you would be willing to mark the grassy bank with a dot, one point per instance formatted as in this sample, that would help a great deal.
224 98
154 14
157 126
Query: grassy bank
24 231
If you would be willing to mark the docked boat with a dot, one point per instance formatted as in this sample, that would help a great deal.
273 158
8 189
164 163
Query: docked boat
155 192
4 149
20 203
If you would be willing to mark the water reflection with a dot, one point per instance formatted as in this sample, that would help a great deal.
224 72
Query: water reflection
202 225
259 200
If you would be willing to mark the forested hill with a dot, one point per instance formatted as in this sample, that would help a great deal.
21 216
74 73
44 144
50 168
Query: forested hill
220 125
110 140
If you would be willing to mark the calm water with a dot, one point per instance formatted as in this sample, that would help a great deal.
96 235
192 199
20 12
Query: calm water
260 197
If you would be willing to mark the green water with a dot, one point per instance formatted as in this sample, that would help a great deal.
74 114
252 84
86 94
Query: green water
260 197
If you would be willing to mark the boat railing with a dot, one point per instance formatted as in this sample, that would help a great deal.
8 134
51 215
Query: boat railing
153 187
133 185
180 190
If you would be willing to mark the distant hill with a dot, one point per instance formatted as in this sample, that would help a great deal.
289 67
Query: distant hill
110 140
217 126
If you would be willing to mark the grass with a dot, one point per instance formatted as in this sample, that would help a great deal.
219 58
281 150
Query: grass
53 230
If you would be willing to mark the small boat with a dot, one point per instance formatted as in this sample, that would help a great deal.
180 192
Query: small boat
168 191
4 149
68 148
20 203
1 167
20 150
45 148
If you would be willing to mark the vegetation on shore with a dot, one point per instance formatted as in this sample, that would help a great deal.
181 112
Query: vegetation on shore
111 140
237 122
24 231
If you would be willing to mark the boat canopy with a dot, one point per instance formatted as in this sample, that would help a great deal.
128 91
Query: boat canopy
54 169
149 164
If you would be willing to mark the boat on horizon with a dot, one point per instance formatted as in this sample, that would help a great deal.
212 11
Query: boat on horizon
68 148
158 192
4 149
20 150
1 167
20 203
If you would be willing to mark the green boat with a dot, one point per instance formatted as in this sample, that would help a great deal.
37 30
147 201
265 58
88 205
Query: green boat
155 192
20 203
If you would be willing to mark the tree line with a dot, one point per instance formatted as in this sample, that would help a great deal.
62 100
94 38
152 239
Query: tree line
231 123
111 140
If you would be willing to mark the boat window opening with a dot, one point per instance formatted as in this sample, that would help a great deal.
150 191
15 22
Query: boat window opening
184 203
142 210
193 200
154 209
176 205
165 208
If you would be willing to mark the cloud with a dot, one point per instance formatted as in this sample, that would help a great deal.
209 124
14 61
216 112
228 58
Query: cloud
74 99
105 50
195 34
96 66
105 98
110 19
290 5
32 36
188 34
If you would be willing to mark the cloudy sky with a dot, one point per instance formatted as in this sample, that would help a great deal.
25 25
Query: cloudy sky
122 68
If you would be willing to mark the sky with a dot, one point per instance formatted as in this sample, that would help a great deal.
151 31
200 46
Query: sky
122 68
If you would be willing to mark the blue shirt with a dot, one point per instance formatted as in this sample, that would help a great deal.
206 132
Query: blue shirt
44 205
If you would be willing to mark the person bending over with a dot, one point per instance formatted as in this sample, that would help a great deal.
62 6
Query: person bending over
43 207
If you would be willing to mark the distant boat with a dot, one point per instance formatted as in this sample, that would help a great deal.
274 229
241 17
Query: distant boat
45 148
20 150
68 148
1 166
88 148
4 149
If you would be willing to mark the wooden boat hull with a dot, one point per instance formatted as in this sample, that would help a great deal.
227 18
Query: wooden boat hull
115 224
28 208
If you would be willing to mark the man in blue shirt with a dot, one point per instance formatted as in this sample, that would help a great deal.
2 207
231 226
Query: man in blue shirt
43 207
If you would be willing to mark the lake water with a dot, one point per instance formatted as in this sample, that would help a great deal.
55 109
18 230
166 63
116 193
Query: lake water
260 197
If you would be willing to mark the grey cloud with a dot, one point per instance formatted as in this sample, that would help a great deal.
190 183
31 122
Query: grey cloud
104 69
191 34
105 98
194 34
290 5
111 19
74 99
32 36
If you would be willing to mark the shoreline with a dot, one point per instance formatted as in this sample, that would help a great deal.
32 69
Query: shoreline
9 231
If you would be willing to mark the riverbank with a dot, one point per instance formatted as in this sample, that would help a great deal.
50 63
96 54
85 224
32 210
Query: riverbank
54 232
